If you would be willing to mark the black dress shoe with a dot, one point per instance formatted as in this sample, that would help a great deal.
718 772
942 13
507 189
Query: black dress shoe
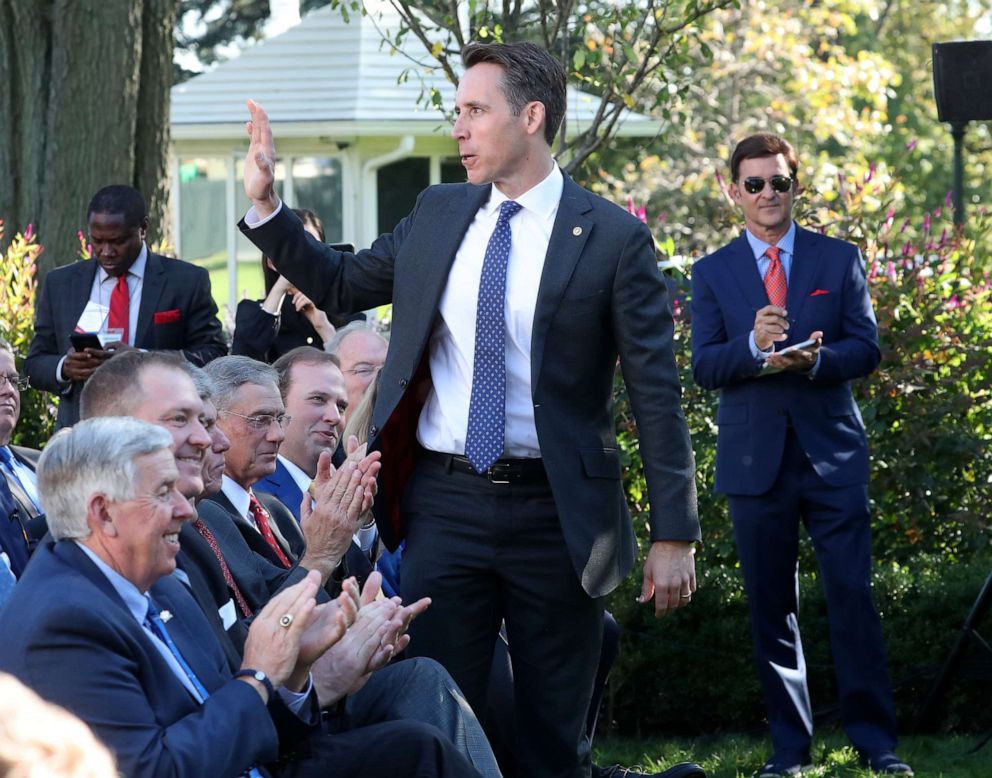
785 764
681 770
886 763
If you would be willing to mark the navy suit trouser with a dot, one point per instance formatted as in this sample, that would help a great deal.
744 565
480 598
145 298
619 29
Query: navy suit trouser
487 553
766 528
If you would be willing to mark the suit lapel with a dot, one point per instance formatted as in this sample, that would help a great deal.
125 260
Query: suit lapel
568 237
430 267
151 290
81 284
742 267
804 260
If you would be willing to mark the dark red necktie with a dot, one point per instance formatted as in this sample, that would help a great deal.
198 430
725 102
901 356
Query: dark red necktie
261 517
775 284
120 304
239 598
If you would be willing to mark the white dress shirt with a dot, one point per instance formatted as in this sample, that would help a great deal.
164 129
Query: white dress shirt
444 419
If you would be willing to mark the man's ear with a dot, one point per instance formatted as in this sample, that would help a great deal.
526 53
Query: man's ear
535 117
734 191
98 516
143 229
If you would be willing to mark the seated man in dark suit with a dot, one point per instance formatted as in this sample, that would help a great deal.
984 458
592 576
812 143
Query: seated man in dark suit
231 582
22 523
132 296
100 627
313 390
252 415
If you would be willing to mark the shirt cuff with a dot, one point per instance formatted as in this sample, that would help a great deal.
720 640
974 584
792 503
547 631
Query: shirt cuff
295 700
253 220
58 372
816 366
756 352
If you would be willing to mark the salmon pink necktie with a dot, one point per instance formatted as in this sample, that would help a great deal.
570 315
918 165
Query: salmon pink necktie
775 284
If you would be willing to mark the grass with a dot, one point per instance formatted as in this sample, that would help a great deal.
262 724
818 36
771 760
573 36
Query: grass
739 756
250 283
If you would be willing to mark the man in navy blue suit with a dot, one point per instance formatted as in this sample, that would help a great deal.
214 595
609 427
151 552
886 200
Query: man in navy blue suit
792 447
98 625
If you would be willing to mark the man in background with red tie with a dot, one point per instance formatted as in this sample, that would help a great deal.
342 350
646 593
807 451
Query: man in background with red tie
792 447
129 296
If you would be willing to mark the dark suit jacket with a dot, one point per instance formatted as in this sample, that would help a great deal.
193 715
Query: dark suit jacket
69 636
828 292
601 296
284 526
278 493
177 313
257 577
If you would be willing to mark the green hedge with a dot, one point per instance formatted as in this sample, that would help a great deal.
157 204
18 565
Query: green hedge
693 672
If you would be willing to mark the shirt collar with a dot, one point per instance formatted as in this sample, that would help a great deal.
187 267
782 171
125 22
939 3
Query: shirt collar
237 494
137 269
787 242
541 199
135 601
302 479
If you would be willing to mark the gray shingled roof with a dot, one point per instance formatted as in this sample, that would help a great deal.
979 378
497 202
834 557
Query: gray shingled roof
330 76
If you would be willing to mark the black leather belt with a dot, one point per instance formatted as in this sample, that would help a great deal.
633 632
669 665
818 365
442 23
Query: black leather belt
502 471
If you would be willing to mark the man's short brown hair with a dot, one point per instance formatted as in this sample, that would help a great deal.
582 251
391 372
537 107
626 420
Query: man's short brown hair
763 144
114 389
307 355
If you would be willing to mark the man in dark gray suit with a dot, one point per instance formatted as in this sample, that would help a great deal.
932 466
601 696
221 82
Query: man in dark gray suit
136 298
513 296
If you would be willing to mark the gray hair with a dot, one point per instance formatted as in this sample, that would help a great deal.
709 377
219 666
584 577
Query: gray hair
203 382
94 456
5 346
353 326
231 373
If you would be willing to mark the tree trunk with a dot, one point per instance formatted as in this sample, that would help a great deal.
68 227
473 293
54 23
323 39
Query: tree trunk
85 104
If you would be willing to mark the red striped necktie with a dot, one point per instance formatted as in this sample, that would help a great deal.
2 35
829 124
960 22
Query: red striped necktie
261 517
775 284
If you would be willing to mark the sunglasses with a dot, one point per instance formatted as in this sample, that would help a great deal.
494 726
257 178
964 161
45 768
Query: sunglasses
755 184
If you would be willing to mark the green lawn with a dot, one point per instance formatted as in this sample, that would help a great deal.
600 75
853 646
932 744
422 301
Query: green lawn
739 756
250 283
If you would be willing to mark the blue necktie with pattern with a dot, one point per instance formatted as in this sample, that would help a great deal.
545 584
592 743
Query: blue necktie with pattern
487 406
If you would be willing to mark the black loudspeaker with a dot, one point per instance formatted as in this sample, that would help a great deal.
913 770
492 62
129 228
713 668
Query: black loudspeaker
962 80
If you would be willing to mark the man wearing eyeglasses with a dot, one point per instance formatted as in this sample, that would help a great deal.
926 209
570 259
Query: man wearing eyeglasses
362 353
781 323
22 522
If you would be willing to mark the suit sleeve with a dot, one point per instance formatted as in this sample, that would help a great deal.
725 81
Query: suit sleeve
717 360
44 353
255 330
642 321
855 353
337 282
204 336
90 669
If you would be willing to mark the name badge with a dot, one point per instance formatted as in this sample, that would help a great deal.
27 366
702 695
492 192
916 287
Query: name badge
227 614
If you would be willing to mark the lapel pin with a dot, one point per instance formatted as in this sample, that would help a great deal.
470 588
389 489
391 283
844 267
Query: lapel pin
166 616
576 231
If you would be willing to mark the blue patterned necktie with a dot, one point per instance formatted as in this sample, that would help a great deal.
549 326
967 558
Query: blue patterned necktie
487 406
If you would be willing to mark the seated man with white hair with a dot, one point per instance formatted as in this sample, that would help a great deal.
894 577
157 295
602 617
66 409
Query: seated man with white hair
98 625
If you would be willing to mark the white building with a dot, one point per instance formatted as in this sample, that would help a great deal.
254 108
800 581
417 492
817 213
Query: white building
354 145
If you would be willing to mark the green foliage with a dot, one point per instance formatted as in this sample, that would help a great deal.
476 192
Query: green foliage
736 756
694 671
18 284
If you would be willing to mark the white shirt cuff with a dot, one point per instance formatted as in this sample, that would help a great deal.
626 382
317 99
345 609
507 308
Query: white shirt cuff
253 220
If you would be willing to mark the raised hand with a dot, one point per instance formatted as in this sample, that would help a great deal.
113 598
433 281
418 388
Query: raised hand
260 163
